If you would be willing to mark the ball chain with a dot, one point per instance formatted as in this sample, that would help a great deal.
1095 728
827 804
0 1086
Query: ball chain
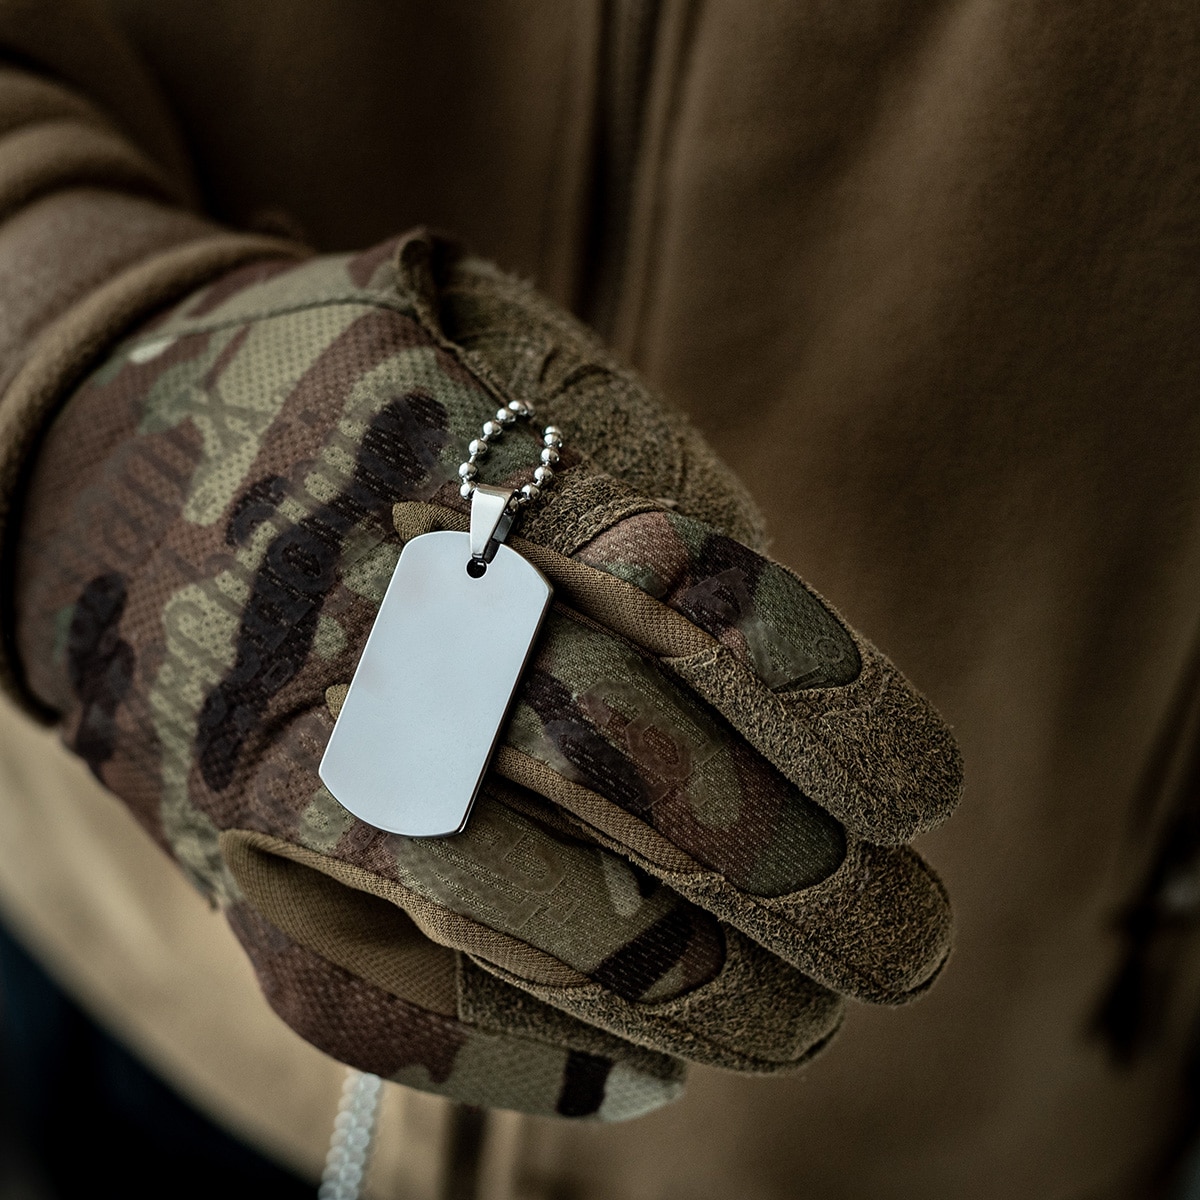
491 433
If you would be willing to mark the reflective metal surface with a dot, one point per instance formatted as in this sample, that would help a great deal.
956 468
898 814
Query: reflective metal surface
490 520
443 659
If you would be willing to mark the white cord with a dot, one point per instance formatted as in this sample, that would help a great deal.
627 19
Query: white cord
350 1143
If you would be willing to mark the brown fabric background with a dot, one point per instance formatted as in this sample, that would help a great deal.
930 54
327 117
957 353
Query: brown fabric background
926 273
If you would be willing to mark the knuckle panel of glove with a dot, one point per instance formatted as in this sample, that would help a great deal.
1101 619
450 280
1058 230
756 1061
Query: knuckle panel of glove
874 753
773 625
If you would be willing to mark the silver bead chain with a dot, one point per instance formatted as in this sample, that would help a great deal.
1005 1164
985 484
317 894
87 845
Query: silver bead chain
491 433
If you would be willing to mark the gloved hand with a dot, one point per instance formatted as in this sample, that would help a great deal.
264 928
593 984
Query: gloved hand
691 843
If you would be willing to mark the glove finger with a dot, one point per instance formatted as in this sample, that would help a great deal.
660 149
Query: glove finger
352 974
600 714
878 929
817 699
578 928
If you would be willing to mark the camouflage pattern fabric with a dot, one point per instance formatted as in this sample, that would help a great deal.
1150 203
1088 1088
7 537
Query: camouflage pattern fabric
691 844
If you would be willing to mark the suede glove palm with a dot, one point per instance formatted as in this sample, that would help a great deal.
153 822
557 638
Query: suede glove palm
691 843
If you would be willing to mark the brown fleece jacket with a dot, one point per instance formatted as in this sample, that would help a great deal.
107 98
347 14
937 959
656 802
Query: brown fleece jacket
926 274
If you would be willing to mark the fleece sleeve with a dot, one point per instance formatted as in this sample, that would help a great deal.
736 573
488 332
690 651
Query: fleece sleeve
99 228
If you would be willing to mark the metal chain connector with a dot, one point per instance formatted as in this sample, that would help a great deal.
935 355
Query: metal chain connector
492 432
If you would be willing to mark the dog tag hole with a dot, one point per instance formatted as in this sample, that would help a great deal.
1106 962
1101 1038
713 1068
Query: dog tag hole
476 568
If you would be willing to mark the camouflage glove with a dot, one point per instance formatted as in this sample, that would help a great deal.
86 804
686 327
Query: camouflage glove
691 842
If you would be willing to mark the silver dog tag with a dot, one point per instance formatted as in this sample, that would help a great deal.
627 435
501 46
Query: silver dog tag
443 659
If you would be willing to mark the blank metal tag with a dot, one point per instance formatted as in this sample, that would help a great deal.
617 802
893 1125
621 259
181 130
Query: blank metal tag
443 659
